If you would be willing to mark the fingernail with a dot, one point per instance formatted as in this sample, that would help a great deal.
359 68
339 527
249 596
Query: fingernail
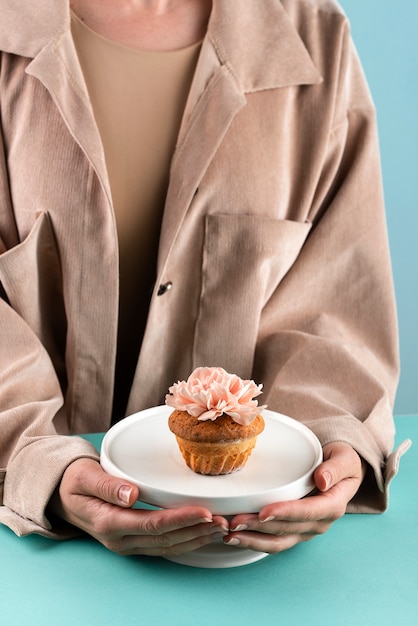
233 541
124 494
240 527
327 478
267 519
220 530
205 520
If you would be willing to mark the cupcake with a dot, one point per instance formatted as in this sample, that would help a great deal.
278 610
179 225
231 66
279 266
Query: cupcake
216 420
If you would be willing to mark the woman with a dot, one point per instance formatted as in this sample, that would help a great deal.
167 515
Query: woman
188 183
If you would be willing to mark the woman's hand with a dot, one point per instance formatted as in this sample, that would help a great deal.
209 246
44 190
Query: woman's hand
100 505
282 525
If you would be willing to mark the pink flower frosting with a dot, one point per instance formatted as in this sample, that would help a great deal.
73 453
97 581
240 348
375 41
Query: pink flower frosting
210 392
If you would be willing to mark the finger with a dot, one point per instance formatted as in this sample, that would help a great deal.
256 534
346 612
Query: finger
150 536
176 542
266 543
341 462
111 523
281 528
165 521
174 549
323 507
289 512
86 477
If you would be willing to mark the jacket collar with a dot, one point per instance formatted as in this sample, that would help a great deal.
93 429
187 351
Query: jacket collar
277 58
247 50
26 27
251 45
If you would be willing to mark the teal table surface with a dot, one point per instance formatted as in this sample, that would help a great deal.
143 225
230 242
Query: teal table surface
363 571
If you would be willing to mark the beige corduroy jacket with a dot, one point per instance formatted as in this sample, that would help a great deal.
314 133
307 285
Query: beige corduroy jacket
273 241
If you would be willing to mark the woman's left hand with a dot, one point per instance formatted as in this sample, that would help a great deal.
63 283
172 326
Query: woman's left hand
282 525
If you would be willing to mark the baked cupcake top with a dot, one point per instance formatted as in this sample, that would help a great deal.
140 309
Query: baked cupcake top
211 392
223 430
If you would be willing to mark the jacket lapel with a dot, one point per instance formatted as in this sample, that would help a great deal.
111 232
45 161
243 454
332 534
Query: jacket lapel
65 83
208 124
248 47
45 36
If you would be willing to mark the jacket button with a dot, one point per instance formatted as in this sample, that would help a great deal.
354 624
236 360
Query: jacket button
162 289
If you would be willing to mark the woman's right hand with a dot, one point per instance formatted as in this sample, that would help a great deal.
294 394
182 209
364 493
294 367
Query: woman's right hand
101 505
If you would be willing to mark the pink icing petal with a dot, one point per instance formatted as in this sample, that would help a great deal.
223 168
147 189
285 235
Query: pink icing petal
210 392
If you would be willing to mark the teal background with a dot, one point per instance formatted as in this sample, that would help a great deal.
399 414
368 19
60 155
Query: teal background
362 572
386 35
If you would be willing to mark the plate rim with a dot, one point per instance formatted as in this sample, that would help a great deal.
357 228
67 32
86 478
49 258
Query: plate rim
111 467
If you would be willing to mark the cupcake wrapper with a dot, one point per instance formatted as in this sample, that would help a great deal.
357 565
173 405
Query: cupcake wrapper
216 458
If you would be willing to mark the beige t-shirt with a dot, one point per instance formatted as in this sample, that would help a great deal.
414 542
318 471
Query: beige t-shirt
138 100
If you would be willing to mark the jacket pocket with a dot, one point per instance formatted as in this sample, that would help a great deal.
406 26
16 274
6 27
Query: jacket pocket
30 275
244 260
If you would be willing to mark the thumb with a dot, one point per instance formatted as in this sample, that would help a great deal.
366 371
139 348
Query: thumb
323 477
341 461
92 480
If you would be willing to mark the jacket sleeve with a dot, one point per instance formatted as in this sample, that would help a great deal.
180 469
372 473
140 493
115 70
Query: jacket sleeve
33 453
328 347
